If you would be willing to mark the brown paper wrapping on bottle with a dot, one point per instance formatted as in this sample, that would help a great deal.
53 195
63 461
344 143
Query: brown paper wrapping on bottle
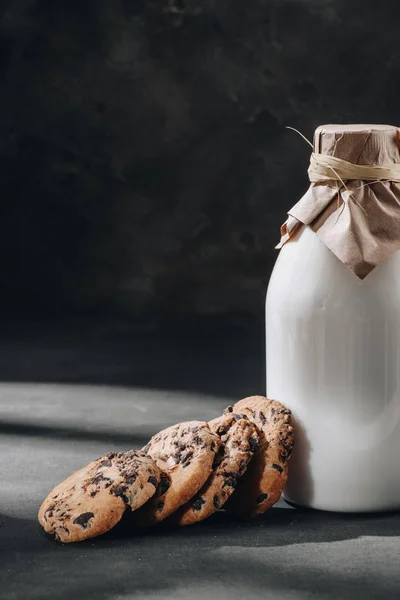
358 220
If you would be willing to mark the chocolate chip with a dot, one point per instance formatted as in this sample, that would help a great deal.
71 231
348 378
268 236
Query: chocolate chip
288 448
277 468
228 409
223 429
131 478
177 457
83 519
92 494
187 456
119 491
96 480
242 466
262 418
198 503
164 484
237 417
132 454
153 480
261 498
160 506
216 501
64 529
254 444
218 457
231 479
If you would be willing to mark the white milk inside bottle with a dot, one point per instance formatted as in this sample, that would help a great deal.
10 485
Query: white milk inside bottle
333 325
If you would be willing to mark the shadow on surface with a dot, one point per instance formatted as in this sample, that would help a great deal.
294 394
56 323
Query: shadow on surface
247 556
133 439
221 558
116 364
302 525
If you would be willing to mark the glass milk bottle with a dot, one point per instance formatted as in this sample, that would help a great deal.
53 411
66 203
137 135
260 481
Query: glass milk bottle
333 323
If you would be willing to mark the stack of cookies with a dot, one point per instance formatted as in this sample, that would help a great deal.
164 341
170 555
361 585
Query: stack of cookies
185 473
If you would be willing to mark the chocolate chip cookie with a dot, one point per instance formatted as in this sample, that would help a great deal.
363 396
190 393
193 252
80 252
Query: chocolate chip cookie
93 500
240 441
186 452
263 483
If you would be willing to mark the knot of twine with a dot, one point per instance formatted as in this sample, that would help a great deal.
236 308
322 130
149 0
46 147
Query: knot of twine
329 168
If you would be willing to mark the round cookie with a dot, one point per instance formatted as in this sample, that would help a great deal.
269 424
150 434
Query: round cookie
263 483
93 499
186 452
240 441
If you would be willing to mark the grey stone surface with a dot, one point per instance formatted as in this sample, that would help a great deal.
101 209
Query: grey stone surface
145 165
70 394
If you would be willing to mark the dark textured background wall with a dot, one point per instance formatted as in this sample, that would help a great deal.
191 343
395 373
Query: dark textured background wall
145 165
